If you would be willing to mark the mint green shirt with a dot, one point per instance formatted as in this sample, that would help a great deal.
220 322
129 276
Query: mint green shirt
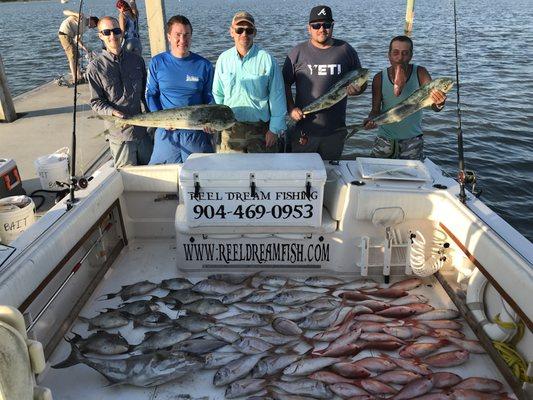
410 126
252 86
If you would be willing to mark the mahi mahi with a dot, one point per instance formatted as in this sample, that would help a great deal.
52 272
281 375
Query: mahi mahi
336 93
214 116
421 98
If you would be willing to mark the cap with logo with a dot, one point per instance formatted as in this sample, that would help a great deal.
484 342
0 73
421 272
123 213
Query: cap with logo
243 16
320 13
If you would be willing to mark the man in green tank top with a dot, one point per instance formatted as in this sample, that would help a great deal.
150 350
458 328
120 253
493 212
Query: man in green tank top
390 87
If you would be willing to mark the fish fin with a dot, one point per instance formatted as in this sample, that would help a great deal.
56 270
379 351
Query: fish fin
209 318
73 340
125 314
149 334
75 357
112 383
106 296
131 348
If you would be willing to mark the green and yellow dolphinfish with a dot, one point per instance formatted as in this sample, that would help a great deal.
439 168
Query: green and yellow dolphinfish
421 98
214 116
336 93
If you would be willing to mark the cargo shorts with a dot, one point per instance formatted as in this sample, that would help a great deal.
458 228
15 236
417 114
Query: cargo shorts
405 149
246 137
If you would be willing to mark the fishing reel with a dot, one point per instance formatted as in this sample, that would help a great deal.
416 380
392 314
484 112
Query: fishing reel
78 182
469 178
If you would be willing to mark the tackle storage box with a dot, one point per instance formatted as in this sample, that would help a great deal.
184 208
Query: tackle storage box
253 189
10 182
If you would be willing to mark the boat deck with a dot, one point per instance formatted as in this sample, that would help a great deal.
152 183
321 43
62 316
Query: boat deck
44 125
154 260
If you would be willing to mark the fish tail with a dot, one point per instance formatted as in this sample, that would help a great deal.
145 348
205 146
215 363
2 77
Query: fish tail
291 124
309 341
75 357
110 118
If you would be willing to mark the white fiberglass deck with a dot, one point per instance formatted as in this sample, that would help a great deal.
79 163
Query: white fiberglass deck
154 260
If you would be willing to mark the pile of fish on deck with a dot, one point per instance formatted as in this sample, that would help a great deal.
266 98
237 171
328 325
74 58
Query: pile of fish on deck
287 338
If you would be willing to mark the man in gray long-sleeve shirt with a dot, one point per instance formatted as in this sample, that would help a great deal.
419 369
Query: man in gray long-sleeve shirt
117 80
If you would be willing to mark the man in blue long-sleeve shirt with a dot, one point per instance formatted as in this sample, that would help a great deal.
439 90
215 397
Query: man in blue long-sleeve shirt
249 80
179 78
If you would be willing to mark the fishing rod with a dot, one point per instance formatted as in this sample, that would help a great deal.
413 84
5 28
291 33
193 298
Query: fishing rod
463 177
72 180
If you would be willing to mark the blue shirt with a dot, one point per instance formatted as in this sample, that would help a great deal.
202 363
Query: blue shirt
252 86
178 82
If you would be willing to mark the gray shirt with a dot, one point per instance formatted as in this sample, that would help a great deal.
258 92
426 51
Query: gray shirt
118 83
314 71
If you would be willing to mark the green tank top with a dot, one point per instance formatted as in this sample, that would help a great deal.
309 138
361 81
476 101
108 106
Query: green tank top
408 127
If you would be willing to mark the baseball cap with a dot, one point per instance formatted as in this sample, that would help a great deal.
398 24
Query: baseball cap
320 13
243 16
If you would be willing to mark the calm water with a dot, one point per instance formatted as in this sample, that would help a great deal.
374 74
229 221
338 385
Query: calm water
495 40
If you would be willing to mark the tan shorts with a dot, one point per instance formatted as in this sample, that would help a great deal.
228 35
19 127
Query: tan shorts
69 46
246 137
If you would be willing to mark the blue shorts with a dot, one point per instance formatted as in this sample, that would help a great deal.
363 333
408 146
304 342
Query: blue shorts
173 147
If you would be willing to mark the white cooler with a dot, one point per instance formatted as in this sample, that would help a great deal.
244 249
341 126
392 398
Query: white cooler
259 190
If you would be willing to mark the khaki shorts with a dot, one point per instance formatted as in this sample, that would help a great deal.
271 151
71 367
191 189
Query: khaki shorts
69 46
246 137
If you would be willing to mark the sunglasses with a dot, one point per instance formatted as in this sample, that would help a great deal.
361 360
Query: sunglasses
325 25
240 30
108 32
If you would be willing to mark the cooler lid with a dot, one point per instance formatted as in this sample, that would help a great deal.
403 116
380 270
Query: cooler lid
238 166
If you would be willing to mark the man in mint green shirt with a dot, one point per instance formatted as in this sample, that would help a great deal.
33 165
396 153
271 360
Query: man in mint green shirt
249 80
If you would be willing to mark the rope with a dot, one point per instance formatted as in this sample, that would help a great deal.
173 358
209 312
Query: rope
510 355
